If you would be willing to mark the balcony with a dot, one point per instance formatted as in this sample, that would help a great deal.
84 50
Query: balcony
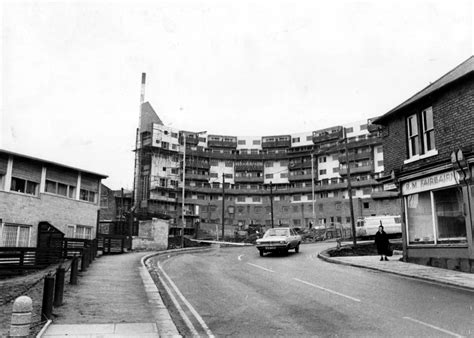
366 155
249 166
326 135
197 164
357 170
248 179
299 165
300 177
197 177
282 141
217 141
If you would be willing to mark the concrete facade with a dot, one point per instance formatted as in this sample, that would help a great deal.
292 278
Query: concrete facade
152 235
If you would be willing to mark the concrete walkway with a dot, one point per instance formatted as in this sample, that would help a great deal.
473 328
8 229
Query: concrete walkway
115 297
395 266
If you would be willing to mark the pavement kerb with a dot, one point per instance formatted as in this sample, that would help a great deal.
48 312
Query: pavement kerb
325 257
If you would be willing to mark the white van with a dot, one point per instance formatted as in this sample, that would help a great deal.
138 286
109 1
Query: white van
368 226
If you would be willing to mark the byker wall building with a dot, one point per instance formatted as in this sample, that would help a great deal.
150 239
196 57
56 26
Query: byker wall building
36 193
429 157
255 172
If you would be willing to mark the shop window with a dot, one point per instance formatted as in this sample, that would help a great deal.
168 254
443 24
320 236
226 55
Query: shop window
448 224
450 221
419 218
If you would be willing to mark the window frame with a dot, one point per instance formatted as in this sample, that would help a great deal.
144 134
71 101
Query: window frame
420 135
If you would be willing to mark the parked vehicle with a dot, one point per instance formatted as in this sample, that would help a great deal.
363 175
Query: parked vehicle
368 226
279 239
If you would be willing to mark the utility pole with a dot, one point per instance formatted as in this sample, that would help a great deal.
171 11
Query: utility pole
182 192
271 201
312 189
349 190
223 203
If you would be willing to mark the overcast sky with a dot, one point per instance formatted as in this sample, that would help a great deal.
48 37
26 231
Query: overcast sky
71 70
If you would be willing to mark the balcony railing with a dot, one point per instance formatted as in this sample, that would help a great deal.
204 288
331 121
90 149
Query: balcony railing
276 144
221 144
301 177
366 155
330 135
199 177
197 164
248 166
248 179
357 170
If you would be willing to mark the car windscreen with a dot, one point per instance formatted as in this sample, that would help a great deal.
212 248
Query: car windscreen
277 232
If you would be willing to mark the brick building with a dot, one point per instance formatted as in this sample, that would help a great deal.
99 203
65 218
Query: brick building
35 191
429 155
256 173
115 208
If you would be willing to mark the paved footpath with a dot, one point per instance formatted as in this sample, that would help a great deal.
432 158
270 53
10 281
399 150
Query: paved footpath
394 265
115 297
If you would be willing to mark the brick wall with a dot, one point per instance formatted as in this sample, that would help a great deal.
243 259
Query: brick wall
453 122
58 211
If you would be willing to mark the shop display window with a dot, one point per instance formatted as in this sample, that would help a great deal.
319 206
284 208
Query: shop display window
436 217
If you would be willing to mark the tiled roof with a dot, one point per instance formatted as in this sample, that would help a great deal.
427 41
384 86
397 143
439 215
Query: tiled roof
462 70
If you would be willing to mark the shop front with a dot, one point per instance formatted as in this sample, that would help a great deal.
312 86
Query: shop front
438 222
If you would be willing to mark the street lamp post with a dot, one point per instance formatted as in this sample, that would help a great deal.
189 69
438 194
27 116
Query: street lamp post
223 204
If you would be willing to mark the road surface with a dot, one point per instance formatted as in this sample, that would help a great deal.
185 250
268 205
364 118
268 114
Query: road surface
235 292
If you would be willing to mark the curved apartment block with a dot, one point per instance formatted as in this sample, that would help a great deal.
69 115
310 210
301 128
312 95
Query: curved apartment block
256 174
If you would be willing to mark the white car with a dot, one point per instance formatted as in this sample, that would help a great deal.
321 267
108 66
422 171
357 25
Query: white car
279 239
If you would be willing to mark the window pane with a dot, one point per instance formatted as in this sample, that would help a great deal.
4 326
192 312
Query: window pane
420 222
18 185
51 187
24 236
9 235
70 231
84 195
412 125
72 192
31 188
62 189
428 118
449 215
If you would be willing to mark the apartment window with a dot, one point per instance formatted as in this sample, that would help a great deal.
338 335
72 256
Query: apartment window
257 210
366 205
256 142
24 186
297 198
57 188
363 127
349 130
268 175
284 175
268 164
413 138
241 142
295 140
229 164
324 195
428 129
213 175
256 199
296 222
174 135
322 159
380 163
309 138
335 170
228 175
15 235
87 195
379 150
322 172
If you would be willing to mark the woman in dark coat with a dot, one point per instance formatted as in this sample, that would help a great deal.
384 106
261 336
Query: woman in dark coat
382 243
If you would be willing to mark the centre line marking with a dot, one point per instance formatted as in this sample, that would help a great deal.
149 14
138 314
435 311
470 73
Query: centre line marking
433 327
260 267
327 290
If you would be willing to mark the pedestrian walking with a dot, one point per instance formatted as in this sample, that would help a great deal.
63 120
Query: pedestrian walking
382 243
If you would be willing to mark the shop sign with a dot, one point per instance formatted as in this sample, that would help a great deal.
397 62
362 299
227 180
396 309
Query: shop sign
389 186
430 183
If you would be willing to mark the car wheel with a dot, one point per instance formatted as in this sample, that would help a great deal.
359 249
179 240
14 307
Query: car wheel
297 248
261 253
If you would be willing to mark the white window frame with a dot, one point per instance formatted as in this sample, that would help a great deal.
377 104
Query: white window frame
420 139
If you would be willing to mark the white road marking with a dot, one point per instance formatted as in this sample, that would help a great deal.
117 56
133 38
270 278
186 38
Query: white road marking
260 267
176 304
327 290
185 301
433 327
240 257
